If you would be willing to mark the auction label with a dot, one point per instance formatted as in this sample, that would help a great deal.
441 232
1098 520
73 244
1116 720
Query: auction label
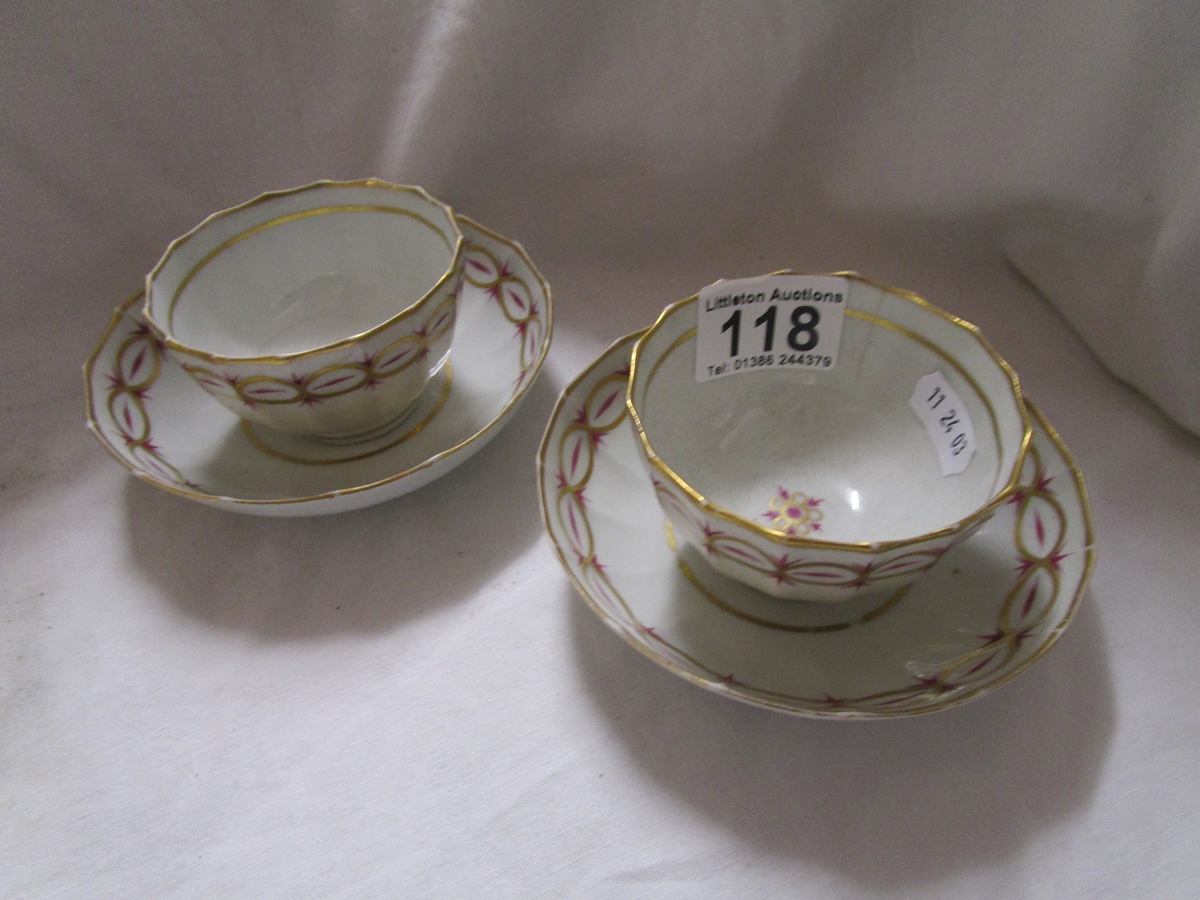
945 417
770 322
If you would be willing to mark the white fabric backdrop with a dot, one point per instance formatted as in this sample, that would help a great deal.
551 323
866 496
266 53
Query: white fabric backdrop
1067 138
184 714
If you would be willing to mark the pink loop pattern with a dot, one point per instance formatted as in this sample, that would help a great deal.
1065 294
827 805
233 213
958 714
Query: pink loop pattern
787 569
601 412
337 380
137 366
484 270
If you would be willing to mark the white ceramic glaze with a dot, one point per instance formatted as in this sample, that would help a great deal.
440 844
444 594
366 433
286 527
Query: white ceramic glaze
825 485
167 431
322 310
987 610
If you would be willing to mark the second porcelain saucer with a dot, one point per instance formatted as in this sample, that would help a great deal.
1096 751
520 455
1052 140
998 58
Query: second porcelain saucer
988 610
166 430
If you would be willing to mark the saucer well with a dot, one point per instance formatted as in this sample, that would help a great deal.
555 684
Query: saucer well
158 423
988 610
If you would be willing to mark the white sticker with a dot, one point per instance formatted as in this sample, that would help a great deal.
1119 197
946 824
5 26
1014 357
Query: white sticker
945 417
770 322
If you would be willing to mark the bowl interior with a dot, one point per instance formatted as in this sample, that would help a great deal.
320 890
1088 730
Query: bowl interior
295 275
837 455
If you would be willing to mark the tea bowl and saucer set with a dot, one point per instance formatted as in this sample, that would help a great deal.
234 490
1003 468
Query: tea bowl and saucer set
883 528
319 350
811 493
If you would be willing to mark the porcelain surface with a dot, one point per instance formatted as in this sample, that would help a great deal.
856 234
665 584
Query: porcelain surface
986 611
825 485
322 310
166 430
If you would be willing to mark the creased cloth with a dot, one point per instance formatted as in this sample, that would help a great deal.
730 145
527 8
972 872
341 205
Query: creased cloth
411 700
1064 136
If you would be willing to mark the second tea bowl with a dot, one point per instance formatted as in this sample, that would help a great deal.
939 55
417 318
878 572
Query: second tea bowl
320 311
826 485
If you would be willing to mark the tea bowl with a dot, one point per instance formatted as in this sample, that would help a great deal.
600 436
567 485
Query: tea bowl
826 485
320 311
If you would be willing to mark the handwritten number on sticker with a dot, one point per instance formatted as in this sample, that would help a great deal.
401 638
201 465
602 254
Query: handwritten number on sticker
947 421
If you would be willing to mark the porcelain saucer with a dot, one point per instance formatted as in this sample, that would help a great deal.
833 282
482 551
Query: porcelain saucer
988 610
158 423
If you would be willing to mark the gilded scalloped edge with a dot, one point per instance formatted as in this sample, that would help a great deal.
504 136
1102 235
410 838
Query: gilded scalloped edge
412 309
